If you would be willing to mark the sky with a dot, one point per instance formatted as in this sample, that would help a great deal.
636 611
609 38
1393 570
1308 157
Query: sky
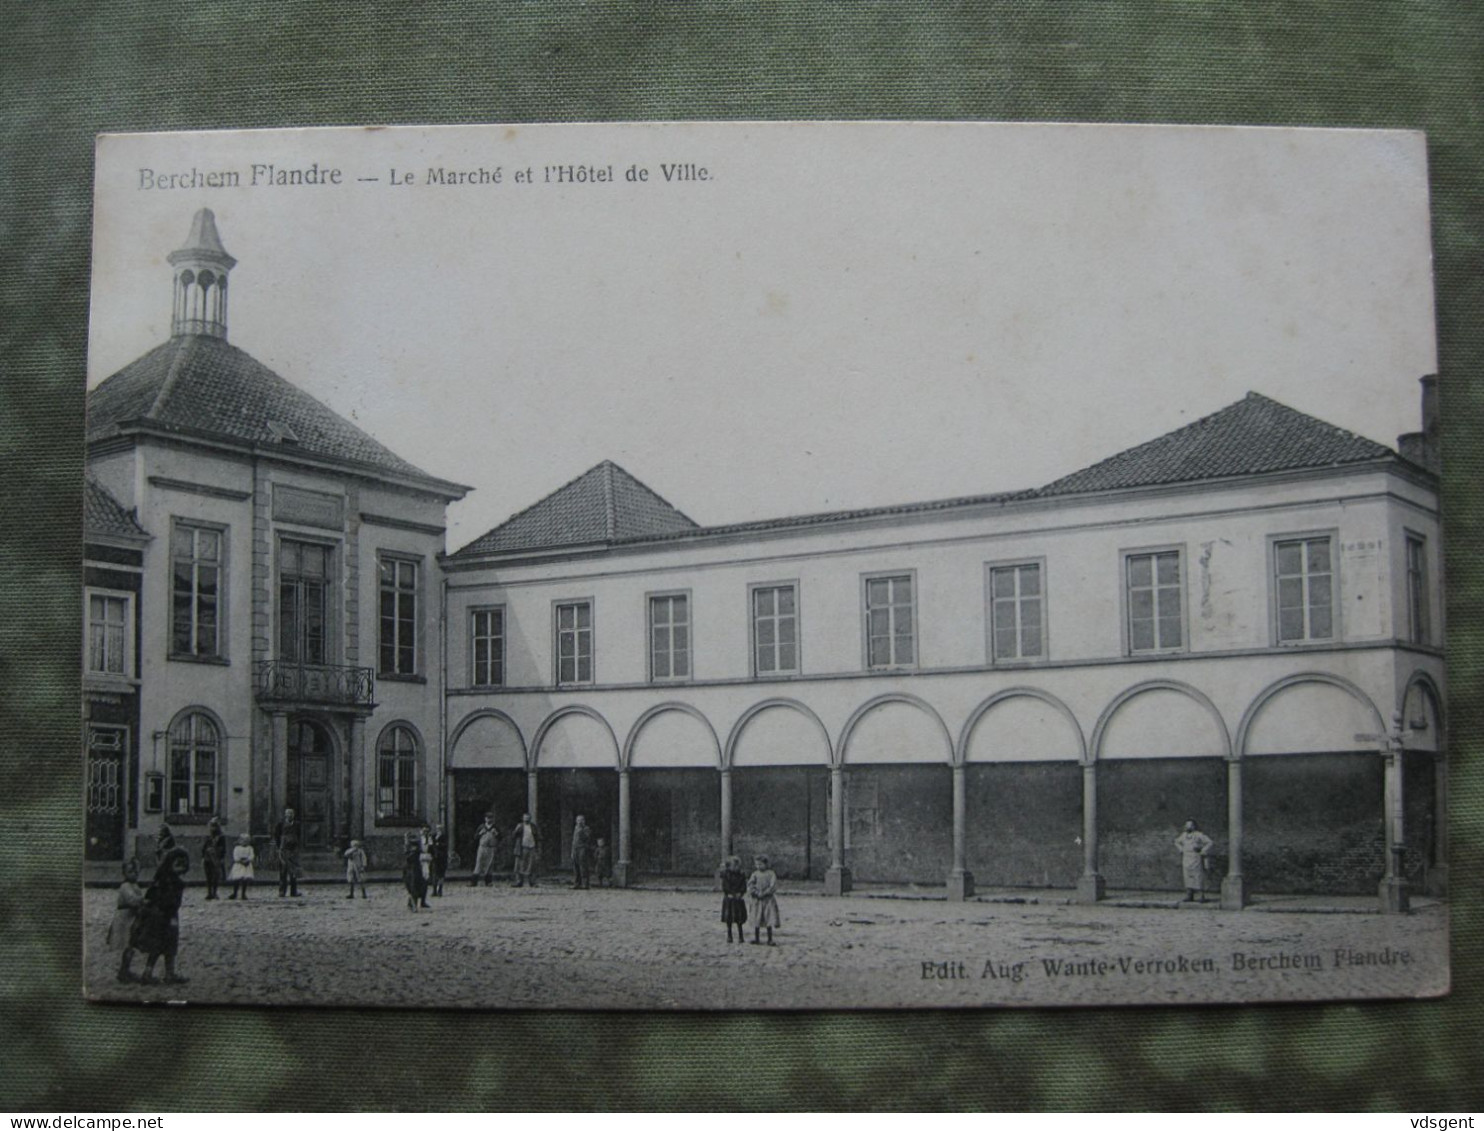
829 316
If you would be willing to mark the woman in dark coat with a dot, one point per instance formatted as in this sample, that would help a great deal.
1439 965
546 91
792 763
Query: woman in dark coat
412 872
158 930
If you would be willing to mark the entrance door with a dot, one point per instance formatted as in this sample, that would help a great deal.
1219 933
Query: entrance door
105 791
310 782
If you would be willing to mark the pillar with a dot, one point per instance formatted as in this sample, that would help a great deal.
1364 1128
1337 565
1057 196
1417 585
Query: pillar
1233 885
837 878
1392 892
960 879
355 779
1090 883
531 794
726 812
279 800
1437 875
622 865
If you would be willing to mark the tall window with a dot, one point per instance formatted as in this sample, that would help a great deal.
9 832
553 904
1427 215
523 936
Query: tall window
669 637
398 617
1155 601
1304 577
304 577
775 630
396 773
1418 628
195 744
108 634
1016 611
487 630
196 585
574 641
891 639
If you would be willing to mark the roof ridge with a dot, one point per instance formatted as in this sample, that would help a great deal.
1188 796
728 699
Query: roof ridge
172 375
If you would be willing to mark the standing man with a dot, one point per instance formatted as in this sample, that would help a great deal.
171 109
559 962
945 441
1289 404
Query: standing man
486 841
581 839
214 856
1193 845
286 840
524 839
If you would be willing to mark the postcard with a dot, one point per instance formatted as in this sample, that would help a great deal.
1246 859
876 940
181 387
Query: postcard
766 566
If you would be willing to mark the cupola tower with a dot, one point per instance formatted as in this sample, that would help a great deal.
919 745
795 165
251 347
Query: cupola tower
200 283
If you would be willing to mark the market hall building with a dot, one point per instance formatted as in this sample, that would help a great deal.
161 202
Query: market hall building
1237 623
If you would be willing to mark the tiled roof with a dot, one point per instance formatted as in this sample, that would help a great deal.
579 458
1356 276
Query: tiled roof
200 384
1252 437
603 505
104 515
1257 435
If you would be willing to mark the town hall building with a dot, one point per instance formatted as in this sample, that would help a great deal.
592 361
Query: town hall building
1238 623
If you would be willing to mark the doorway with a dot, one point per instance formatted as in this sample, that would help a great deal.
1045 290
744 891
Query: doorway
309 782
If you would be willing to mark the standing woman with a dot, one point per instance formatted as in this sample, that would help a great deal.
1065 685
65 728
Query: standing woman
486 841
762 887
412 872
733 889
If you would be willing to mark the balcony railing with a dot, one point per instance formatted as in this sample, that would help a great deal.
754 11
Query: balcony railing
282 681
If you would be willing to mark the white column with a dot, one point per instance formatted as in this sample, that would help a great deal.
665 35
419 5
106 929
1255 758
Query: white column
1090 884
1234 885
960 879
622 866
837 878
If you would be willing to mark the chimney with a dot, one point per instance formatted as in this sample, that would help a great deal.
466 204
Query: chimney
1424 448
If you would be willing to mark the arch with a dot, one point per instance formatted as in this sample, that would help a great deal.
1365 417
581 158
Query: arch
626 756
557 716
488 713
886 700
1244 728
1100 730
729 752
961 748
1423 683
400 780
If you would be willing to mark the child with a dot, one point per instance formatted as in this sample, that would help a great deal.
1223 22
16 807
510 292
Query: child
355 869
762 889
733 888
213 856
121 929
603 862
241 875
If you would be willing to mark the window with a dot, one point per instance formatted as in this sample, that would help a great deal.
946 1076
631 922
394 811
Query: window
396 774
1418 627
669 637
574 640
398 617
890 637
304 577
1016 611
195 744
1304 580
110 634
775 630
487 631
1155 602
197 562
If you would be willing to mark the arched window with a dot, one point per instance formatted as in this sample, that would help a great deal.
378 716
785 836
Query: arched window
396 774
195 748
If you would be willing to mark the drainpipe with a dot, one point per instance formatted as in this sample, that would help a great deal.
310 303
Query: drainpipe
444 810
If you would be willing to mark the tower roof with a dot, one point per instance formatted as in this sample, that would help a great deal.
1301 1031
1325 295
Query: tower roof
196 385
204 241
603 505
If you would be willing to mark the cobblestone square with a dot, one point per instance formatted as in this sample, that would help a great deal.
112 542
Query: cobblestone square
553 947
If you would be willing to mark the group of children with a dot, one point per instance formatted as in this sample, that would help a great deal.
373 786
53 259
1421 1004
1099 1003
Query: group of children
760 890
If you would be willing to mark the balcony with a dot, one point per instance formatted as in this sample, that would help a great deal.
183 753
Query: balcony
333 685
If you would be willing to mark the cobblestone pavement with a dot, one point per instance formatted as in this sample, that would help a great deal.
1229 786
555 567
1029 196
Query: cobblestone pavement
555 947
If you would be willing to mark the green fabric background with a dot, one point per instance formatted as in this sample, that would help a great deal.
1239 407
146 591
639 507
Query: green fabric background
68 70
